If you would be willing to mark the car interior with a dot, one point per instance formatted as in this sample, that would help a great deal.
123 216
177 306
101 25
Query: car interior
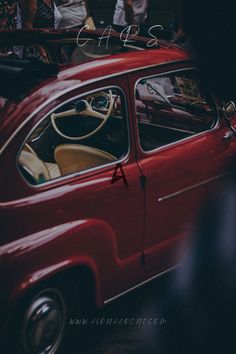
91 131
82 134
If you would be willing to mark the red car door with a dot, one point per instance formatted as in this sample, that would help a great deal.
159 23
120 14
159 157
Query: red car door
181 151
95 180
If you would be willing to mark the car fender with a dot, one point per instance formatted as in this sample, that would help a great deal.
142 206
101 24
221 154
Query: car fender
39 256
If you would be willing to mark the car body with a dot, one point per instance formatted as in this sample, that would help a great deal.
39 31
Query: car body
103 167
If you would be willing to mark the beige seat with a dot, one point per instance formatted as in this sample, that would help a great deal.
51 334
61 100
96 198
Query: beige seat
34 166
53 170
51 167
72 158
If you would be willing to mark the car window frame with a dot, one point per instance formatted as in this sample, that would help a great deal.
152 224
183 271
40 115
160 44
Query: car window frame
216 110
88 171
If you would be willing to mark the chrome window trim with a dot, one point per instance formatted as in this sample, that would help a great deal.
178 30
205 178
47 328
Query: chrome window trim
81 84
93 169
160 148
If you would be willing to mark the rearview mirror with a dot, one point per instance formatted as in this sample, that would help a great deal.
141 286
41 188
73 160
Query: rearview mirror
230 110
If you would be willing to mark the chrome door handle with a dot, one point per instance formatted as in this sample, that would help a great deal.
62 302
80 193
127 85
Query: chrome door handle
229 135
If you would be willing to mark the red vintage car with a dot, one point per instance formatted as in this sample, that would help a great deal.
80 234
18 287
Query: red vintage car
103 167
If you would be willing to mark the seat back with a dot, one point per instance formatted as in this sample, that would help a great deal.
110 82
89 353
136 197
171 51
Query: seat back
33 166
73 158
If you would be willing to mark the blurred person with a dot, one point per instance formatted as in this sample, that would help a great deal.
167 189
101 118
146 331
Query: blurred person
131 12
200 301
18 17
8 14
73 12
37 13
9 20
178 30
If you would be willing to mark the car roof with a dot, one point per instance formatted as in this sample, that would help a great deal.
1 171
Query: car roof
14 114
122 63
107 64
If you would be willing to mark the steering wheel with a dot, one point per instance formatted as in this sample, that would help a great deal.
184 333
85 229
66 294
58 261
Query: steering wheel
85 108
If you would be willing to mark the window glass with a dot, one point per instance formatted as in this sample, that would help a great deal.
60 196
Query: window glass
88 132
172 107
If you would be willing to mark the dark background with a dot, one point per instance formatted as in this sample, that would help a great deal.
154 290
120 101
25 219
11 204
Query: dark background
211 24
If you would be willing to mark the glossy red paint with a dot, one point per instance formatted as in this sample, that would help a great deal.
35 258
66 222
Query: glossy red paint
171 195
123 235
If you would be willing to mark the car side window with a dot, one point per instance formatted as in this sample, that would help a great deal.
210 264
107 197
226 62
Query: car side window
85 133
172 107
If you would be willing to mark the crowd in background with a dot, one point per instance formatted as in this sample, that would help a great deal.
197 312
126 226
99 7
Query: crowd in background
41 13
73 13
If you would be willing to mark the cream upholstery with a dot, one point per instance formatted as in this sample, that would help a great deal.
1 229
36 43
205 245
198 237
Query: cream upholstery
72 158
38 169
53 170
34 166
